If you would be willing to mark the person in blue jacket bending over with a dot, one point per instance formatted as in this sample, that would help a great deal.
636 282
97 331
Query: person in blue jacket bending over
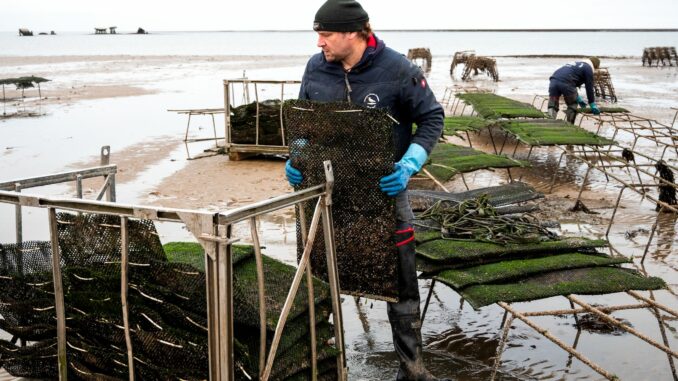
357 67
565 82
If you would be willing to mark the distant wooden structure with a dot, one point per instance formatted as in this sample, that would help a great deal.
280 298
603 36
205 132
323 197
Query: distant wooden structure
474 64
421 54
602 85
21 83
112 29
25 32
460 58
661 54
100 30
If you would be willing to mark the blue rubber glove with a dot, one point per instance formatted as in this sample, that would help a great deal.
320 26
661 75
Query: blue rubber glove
594 108
580 101
411 163
294 176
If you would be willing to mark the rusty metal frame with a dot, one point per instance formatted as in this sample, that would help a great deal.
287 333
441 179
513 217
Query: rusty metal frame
229 94
214 233
600 155
105 170
510 314
200 112
640 187
638 126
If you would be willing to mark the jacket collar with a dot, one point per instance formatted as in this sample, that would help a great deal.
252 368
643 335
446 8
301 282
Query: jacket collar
374 47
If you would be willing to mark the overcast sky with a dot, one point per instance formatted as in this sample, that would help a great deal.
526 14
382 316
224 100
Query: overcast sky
199 15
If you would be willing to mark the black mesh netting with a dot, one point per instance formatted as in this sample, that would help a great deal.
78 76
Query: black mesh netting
167 309
244 123
359 143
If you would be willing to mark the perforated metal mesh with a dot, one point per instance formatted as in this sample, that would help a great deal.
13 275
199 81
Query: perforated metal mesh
359 143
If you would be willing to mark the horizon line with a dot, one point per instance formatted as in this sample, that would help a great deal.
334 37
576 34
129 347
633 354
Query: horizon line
418 30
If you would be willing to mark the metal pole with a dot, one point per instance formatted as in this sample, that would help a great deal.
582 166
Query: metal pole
262 295
311 298
19 223
124 288
624 327
558 342
225 281
105 155
58 297
282 100
256 120
214 129
188 125
428 299
110 193
332 272
502 344
289 301
78 186
227 115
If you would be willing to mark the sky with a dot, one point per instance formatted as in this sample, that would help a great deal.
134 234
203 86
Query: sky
206 15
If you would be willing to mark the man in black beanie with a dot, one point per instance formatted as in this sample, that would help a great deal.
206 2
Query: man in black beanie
356 66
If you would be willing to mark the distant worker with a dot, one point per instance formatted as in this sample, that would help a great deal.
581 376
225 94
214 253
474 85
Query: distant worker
565 82
357 67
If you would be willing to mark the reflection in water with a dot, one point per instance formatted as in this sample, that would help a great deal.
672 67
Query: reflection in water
666 236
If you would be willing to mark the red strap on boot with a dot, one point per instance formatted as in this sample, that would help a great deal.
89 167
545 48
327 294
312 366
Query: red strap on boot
407 240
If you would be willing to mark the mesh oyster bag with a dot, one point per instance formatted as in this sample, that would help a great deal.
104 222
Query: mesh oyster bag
359 143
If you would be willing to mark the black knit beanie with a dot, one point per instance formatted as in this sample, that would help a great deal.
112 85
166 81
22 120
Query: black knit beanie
340 16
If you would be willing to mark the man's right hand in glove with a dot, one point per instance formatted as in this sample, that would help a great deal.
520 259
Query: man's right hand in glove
411 163
294 176
580 101
594 109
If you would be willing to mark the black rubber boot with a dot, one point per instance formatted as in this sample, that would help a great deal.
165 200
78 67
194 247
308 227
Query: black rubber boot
553 107
571 111
404 316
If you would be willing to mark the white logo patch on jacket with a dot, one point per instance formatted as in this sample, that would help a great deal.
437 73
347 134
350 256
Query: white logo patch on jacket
371 100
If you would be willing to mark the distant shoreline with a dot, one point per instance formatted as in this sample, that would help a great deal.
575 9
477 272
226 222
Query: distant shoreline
607 30
488 30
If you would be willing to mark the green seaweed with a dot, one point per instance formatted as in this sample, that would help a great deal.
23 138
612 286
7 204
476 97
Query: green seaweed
193 254
454 252
447 160
587 281
508 270
426 235
552 132
492 106
465 123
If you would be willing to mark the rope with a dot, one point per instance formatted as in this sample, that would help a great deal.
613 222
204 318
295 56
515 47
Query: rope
477 220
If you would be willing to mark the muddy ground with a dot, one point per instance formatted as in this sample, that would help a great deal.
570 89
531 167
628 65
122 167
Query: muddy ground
122 101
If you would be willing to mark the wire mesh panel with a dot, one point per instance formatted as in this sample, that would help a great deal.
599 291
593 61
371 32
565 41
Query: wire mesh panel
166 303
359 143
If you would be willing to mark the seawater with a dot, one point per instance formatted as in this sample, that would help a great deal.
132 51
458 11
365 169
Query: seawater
303 43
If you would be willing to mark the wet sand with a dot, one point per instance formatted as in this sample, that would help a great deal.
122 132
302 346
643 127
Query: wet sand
459 342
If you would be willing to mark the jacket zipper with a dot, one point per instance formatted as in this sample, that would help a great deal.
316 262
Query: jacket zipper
348 86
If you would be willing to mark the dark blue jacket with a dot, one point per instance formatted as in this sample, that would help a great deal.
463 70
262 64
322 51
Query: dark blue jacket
383 78
577 74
